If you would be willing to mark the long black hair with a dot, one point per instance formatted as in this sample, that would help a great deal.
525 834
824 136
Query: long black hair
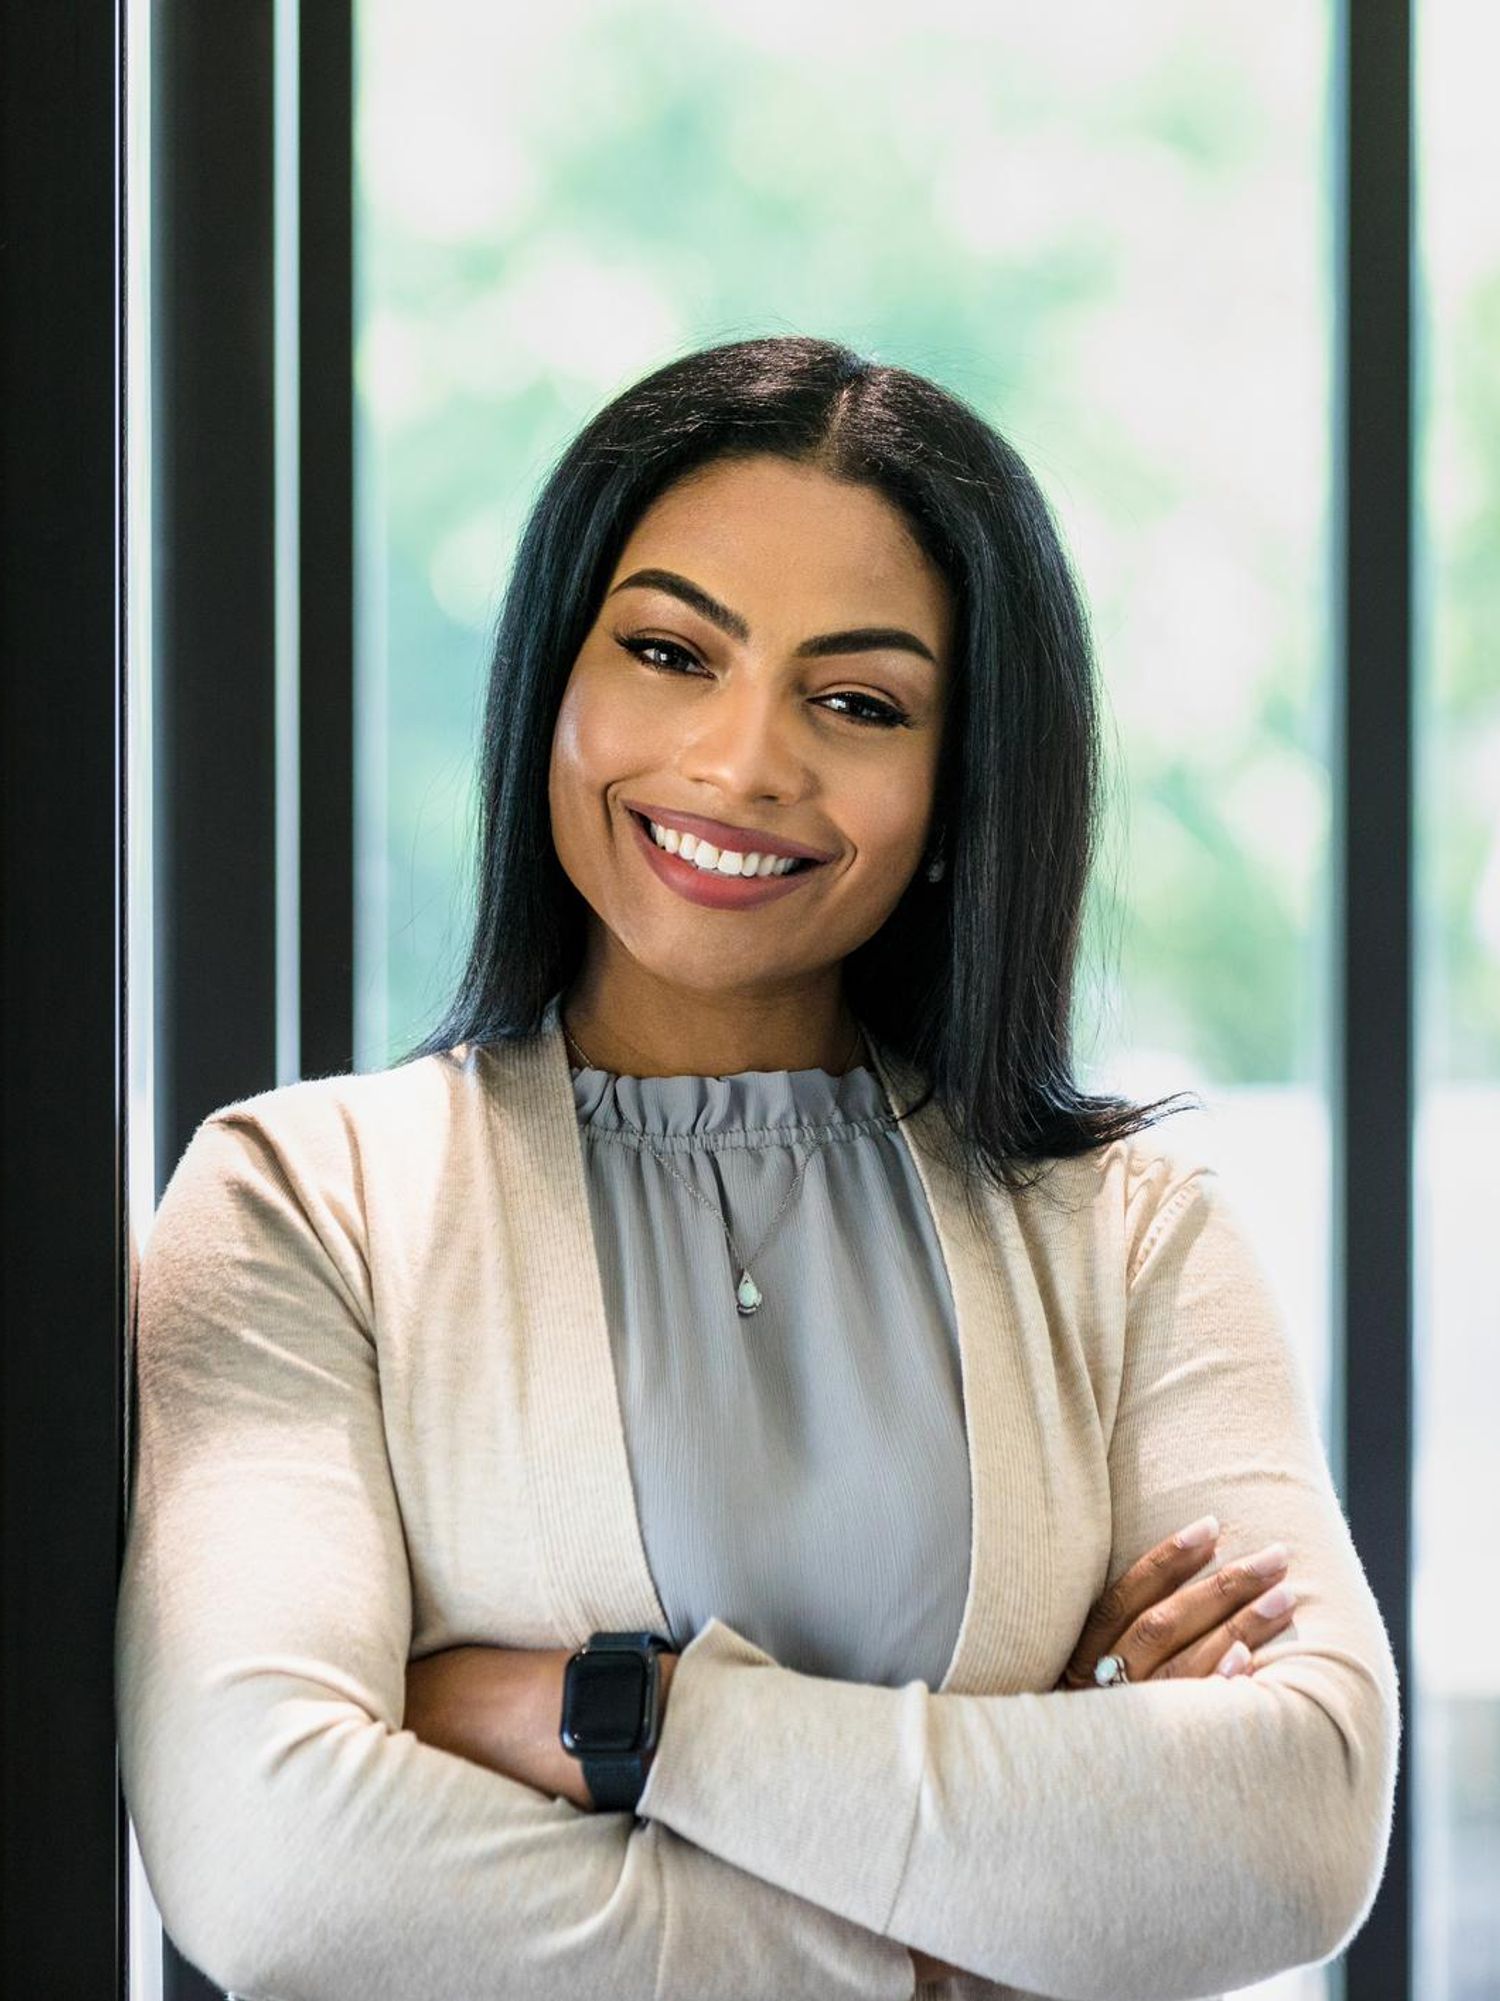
970 979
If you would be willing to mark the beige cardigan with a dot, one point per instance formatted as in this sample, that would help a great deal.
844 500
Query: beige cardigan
377 1417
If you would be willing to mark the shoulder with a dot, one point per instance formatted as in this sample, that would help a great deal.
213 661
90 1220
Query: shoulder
405 1096
337 1140
1163 1183
349 1108
1116 1202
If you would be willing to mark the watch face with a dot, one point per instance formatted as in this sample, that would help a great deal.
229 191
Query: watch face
604 1696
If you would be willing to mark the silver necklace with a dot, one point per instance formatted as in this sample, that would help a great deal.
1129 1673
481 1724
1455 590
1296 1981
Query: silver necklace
747 1294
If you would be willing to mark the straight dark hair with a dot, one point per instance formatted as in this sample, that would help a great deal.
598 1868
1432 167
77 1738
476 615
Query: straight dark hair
970 979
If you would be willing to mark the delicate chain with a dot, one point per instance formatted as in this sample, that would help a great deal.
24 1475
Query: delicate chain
748 1295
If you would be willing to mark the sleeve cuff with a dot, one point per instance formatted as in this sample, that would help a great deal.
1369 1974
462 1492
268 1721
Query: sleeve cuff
736 1772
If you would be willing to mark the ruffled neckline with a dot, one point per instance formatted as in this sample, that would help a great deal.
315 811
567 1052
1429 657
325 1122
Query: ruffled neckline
749 1102
746 1102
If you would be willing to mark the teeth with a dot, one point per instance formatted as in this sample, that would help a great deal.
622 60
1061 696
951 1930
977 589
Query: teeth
717 861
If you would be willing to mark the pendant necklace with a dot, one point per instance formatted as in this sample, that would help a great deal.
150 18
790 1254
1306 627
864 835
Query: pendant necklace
747 1294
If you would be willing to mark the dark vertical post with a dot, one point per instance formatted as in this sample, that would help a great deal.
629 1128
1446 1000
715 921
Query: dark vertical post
1374 1083
64 1274
214 600
214 789
326 455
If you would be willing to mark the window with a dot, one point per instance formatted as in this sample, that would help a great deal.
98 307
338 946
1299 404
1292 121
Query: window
1118 233
1457 1366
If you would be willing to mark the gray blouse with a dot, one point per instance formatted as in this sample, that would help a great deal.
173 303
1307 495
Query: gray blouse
802 1473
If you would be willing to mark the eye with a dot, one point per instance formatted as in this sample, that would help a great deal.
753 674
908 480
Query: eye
883 716
641 647
878 714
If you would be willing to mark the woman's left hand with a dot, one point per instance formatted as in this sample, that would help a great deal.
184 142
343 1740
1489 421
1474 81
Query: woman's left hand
1165 1628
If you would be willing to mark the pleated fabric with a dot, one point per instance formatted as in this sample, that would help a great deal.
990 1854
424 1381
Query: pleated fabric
801 1473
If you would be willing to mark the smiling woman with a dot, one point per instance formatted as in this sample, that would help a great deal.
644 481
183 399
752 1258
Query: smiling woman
755 730
671 1488
782 598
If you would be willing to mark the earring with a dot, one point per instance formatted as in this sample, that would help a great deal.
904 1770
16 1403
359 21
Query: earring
935 869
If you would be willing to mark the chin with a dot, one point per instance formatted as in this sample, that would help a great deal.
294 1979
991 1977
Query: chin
717 974
706 958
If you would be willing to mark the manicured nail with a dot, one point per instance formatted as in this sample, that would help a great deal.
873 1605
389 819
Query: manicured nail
1197 1533
1271 1604
1235 1661
1266 1562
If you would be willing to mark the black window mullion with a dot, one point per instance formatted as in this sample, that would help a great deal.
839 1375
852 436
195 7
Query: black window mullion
214 583
214 662
64 1268
326 478
1373 1082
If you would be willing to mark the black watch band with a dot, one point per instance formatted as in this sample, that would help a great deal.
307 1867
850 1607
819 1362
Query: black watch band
611 1713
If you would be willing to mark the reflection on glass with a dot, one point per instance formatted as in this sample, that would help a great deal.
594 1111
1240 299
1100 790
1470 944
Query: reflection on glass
1456 1617
144 1975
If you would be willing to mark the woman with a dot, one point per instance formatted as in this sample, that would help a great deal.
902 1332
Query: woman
738 1269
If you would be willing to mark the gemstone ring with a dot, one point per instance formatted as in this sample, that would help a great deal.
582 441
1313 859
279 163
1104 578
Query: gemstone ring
1109 1670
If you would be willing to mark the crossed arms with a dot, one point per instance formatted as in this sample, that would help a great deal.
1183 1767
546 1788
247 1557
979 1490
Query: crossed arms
798 1833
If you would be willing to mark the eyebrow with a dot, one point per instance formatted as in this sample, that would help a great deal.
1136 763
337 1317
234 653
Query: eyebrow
862 639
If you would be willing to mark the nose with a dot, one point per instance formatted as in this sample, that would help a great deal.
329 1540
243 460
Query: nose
741 743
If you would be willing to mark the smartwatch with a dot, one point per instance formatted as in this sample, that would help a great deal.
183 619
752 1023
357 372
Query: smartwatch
611 1713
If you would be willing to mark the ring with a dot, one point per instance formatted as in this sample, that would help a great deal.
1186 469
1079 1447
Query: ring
1109 1670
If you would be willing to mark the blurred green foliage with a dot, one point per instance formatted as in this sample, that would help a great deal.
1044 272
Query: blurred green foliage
1115 245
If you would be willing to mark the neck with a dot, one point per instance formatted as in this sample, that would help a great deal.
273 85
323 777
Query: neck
638 1027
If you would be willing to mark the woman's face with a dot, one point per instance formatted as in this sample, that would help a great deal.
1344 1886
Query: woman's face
834 750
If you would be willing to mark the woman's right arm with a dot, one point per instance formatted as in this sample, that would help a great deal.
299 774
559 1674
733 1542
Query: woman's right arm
299 1842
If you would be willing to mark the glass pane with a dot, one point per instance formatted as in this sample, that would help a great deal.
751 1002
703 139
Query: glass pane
144 1972
1109 229
1456 1617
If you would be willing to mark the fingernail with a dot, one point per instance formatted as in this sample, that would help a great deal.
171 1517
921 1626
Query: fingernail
1266 1562
1235 1661
1197 1533
1271 1604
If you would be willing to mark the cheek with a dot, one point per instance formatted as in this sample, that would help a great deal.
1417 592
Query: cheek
569 786
885 820
597 742
598 750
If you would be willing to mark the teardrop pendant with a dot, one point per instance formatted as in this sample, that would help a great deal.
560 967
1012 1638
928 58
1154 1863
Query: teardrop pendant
747 1296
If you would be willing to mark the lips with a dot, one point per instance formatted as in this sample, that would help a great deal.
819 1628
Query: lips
706 886
742 840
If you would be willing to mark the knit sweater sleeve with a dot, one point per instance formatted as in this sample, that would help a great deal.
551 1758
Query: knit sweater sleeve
1171 1838
300 1843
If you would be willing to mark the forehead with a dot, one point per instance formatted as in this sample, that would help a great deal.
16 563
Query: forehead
790 545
